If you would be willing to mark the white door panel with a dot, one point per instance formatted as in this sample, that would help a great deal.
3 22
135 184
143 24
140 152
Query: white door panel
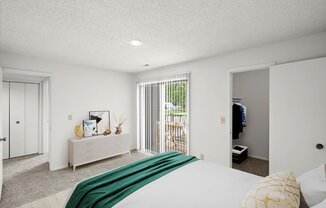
5 118
17 119
297 115
32 118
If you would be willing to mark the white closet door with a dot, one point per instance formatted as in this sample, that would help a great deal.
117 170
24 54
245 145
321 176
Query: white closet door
17 119
32 118
5 118
297 115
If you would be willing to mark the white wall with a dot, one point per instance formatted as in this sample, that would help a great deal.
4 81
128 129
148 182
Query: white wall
297 115
210 94
76 90
253 89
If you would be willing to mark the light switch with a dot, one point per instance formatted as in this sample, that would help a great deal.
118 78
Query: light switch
222 120
69 117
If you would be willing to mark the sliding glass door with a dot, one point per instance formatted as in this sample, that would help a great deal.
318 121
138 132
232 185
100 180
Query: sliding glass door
163 115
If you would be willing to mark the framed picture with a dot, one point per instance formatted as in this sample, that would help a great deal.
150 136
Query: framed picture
102 120
89 127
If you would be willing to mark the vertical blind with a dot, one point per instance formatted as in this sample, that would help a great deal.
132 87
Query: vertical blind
163 114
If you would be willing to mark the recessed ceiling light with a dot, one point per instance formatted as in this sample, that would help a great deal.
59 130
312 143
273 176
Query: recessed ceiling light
136 43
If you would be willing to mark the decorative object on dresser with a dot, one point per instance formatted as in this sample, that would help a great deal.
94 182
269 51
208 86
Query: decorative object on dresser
120 121
102 121
83 151
89 128
79 133
107 132
118 129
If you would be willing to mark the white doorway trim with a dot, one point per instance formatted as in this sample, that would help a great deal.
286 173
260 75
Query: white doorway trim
29 73
230 74
44 81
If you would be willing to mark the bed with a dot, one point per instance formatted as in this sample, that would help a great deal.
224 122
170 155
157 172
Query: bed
198 184
192 183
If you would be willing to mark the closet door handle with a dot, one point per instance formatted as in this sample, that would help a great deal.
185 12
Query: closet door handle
319 146
17 122
3 139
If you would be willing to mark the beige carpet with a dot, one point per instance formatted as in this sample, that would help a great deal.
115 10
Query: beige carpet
27 179
254 166
57 200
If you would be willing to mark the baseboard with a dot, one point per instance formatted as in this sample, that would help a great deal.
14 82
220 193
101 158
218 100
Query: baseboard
258 157
58 167
146 152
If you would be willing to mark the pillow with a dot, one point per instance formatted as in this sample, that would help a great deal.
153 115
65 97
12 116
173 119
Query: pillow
313 185
320 205
279 190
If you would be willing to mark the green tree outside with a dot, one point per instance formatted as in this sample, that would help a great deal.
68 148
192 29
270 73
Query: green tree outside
176 94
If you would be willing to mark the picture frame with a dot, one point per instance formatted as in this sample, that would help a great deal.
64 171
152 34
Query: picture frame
89 127
102 119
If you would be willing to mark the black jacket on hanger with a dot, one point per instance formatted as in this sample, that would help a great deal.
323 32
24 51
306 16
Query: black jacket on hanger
237 126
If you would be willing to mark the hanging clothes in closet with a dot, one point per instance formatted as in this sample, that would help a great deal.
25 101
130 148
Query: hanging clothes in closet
239 119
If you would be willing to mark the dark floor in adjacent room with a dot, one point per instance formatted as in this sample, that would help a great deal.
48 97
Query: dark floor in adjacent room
254 166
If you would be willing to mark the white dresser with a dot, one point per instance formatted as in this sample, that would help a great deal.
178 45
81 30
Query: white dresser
91 149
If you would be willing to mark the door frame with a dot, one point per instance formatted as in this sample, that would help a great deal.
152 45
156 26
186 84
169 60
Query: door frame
41 78
140 107
1 135
230 74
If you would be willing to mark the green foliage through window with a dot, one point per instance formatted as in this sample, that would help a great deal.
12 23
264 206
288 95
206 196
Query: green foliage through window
175 93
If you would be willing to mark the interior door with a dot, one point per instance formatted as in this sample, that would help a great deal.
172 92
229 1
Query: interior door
1 136
297 115
17 119
32 118
5 119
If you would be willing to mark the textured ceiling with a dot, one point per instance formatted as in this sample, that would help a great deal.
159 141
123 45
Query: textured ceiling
97 32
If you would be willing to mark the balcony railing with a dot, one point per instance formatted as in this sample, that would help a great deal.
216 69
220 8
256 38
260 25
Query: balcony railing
175 136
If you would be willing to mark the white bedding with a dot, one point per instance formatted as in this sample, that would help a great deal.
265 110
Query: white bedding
198 184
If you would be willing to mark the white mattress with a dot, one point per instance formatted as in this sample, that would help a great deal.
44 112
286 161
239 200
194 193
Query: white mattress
198 184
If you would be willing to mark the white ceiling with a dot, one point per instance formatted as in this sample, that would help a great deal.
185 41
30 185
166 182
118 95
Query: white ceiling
97 32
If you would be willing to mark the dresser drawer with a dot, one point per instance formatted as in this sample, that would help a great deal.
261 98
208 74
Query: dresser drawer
87 157
123 145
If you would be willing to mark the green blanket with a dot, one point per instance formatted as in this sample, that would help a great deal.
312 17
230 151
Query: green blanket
109 188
